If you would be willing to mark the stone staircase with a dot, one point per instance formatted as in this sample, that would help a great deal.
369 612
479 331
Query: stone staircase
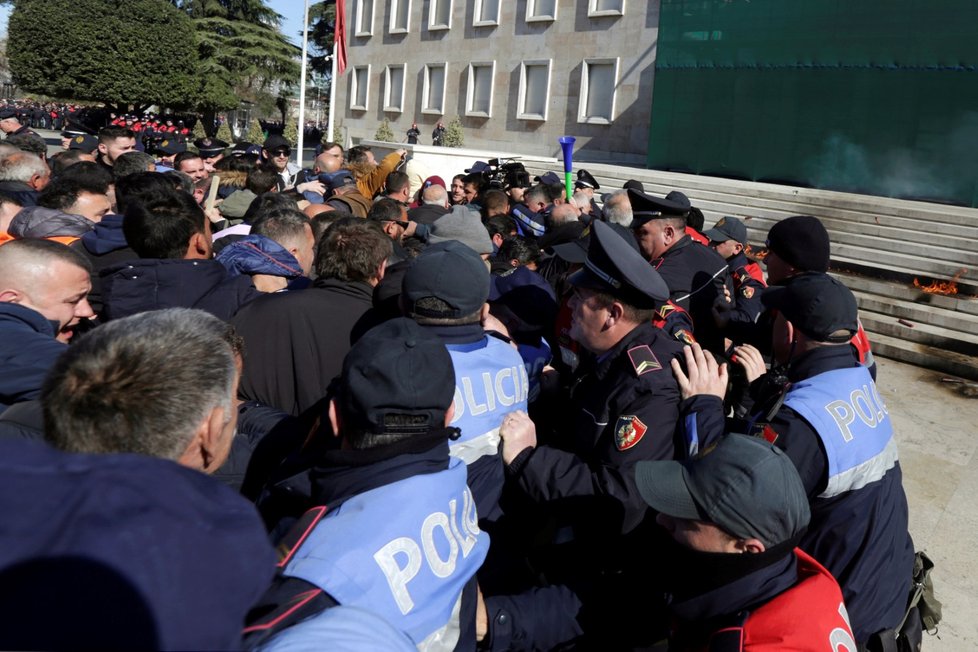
879 246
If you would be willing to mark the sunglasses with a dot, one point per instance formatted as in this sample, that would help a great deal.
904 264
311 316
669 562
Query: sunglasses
282 152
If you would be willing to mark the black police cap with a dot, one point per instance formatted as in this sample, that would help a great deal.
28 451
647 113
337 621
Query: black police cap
647 207
84 142
8 113
397 369
614 266
208 147
585 180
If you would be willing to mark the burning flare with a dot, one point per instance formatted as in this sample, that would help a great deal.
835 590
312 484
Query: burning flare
947 288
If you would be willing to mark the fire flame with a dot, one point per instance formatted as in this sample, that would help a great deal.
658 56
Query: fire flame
758 255
947 288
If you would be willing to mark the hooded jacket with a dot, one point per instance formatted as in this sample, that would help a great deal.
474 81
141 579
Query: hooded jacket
27 351
256 254
40 222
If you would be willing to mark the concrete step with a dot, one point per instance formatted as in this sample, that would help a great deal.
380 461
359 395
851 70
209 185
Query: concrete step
923 355
905 292
888 323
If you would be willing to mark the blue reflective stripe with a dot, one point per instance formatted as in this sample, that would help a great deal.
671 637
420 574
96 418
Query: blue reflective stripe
692 436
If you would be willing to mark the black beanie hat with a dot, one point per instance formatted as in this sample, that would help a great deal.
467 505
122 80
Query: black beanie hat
802 242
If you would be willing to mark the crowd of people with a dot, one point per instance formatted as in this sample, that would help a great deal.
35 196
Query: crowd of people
245 405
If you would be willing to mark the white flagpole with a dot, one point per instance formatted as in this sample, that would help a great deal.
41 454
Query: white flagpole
302 87
332 93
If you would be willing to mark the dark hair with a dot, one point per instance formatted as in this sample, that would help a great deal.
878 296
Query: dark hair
500 225
554 191
180 181
695 218
131 163
270 201
519 249
63 160
140 187
91 175
236 163
28 142
261 180
357 154
328 145
475 179
184 156
386 210
396 182
283 225
322 221
352 250
111 133
62 193
163 227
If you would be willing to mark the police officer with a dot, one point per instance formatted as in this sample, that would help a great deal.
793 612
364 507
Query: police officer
822 408
695 275
586 184
728 237
211 150
621 409
446 290
399 535
10 123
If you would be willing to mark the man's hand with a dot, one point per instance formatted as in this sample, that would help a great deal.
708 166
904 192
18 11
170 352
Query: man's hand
410 229
481 616
518 433
214 215
313 186
401 152
751 360
705 375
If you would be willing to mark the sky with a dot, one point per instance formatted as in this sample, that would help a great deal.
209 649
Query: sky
291 11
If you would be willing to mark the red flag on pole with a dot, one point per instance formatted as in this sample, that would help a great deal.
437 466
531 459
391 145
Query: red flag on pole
339 37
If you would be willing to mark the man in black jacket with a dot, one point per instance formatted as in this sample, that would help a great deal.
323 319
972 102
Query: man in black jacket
295 342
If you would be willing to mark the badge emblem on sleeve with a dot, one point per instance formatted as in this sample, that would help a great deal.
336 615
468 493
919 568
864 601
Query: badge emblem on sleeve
748 292
629 430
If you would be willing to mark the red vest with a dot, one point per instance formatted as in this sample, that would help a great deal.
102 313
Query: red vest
808 616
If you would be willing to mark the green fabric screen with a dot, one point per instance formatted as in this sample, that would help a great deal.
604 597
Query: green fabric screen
871 96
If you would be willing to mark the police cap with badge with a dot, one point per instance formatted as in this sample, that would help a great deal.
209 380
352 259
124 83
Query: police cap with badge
585 180
84 142
614 266
170 147
210 147
7 113
816 304
647 207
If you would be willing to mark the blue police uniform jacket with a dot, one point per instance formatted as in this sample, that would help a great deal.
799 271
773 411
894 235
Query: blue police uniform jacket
535 358
404 550
490 382
859 520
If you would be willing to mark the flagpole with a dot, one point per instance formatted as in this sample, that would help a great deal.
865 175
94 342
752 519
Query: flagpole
332 93
302 87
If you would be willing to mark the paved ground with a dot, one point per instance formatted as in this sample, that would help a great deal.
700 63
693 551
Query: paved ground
936 428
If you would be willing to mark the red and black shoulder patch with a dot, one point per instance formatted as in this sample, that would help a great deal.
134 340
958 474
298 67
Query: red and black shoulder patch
643 360
629 430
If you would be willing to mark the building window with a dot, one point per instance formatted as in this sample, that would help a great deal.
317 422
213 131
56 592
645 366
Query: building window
359 88
486 13
541 10
478 94
400 16
599 80
534 90
433 95
439 15
605 8
394 87
365 18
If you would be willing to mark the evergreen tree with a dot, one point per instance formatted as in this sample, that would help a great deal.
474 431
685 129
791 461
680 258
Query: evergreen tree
291 131
224 132
384 132
255 134
338 131
454 137
198 130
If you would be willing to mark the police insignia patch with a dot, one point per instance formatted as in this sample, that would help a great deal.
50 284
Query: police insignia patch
685 336
748 292
79 139
769 434
643 360
629 430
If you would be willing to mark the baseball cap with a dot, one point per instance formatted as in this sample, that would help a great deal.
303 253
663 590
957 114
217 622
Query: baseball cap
478 168
728 228
746 486
449 271
275 141
548 178
817 305
397 368
802 242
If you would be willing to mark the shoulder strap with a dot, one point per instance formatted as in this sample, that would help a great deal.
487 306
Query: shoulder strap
288 601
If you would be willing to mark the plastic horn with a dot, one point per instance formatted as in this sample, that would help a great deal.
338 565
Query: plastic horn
567 145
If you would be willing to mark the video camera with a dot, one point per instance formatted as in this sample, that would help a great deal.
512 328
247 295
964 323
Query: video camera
506 173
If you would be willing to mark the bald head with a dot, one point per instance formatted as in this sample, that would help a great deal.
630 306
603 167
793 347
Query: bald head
49 278
435 195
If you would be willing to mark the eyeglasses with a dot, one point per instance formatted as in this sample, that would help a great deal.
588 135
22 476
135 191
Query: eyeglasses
281 152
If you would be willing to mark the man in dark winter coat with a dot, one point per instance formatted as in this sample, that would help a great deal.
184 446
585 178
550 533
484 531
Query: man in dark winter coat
175 270
295 342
